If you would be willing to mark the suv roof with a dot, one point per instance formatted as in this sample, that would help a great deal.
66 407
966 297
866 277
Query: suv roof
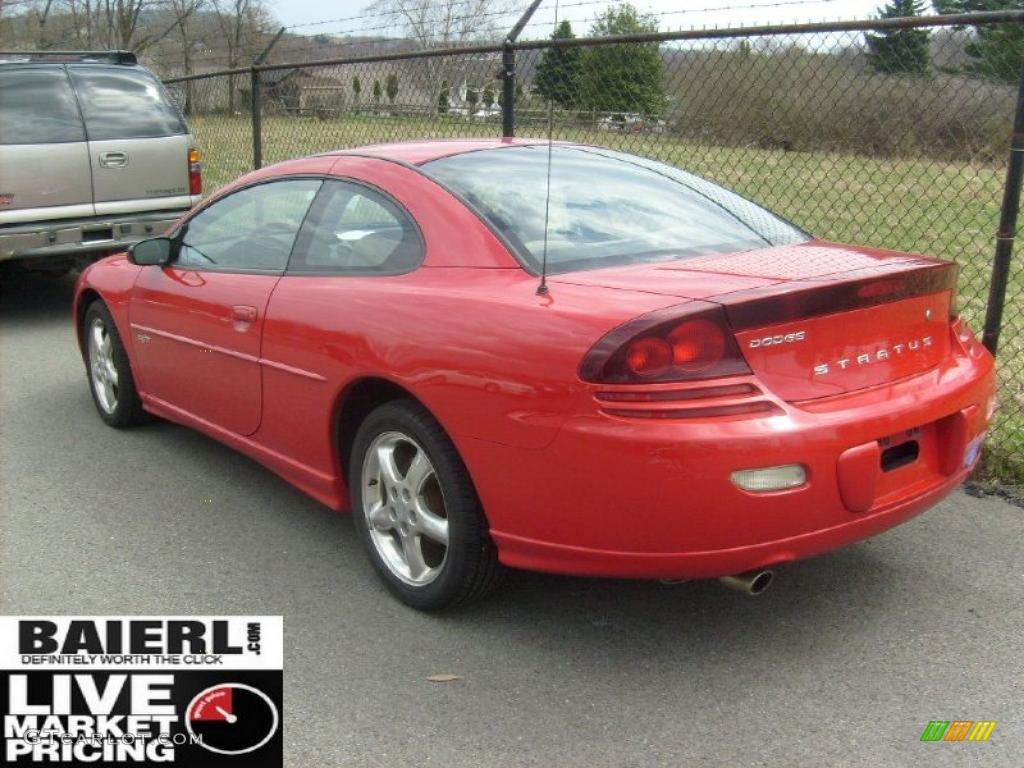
68 57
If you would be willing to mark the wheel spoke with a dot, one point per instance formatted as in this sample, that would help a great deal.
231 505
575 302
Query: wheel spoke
431 525
97 335
388 468
110 370
414 556
419 470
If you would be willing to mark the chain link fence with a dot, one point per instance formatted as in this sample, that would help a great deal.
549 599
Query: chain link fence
893 134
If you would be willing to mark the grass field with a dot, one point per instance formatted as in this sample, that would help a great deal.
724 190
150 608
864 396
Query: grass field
940 208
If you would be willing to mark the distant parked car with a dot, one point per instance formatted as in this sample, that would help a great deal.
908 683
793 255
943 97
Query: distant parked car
699 388
94 156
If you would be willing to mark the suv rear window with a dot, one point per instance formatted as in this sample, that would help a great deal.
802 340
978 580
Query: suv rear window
37 106
124 104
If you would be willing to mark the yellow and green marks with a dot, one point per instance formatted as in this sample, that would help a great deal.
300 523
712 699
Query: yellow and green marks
958 730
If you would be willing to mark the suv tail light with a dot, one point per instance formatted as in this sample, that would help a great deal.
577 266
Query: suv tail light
684 343
195 173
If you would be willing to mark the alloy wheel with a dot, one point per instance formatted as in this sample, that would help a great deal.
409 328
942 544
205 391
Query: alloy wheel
405 508
102 370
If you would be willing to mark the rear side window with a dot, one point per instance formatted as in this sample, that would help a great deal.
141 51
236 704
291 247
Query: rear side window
354 230
37 106
125 104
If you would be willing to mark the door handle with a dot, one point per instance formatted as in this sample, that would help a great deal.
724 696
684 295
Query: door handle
244 313
113 159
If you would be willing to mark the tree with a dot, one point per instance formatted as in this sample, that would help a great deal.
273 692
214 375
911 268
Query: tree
900 51
488 97
357 88
391 87
472 99
442 98
996 50
557 77
377 91
441 23
625 77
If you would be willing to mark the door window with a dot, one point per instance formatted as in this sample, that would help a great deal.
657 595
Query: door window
37 106
249 230
353 229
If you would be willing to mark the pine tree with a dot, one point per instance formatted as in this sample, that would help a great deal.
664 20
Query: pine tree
558 71
442 98
377 91
900 51
626 77
391 87
996 50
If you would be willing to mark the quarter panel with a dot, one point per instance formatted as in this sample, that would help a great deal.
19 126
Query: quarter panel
489 357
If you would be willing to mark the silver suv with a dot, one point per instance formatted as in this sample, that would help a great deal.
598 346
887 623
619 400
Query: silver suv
94 156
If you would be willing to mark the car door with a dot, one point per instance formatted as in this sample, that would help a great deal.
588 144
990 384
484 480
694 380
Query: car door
44 159
197 321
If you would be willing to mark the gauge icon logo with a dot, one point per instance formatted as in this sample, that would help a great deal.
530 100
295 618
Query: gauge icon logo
232 719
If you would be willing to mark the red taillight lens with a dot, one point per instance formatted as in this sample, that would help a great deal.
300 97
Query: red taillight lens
697 345
662 346
195 173
649 357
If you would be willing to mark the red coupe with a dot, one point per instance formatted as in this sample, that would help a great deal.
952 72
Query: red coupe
695 389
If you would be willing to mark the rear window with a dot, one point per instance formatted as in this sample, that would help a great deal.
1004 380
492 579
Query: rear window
125 104
37 106
607 208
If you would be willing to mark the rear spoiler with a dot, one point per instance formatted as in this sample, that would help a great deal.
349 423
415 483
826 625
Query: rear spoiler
855 289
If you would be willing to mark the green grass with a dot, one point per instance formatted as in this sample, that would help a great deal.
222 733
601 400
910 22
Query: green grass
941 208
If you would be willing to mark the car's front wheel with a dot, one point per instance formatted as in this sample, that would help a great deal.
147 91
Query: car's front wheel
110 375
417 510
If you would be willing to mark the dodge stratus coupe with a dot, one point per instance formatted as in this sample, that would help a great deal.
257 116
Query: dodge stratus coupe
617 370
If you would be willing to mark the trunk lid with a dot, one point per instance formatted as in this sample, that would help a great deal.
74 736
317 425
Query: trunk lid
816 319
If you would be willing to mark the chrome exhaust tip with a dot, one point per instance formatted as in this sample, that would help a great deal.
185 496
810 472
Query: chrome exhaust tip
750 583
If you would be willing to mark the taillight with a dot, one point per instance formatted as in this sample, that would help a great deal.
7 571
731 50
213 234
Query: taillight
683 343
195 173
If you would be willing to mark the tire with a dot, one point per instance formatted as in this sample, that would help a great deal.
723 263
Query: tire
110 376
401 505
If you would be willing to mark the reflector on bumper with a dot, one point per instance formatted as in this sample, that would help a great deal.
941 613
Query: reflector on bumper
770 478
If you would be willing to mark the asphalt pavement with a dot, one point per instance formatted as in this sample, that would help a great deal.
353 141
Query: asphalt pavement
843 662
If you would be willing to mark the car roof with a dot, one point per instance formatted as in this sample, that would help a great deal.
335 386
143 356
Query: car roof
419 152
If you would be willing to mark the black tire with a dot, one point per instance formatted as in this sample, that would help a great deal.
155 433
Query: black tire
127 411
470 568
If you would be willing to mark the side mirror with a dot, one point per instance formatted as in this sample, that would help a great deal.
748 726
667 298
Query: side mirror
155 251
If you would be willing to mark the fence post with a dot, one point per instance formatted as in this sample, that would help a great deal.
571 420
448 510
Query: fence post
508 91
257 102
257 119
508 72
1007 229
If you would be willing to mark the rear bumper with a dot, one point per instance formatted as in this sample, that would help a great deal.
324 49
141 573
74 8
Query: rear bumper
534 555
72 237
637 498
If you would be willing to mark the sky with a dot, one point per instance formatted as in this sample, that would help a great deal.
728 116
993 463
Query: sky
351 16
